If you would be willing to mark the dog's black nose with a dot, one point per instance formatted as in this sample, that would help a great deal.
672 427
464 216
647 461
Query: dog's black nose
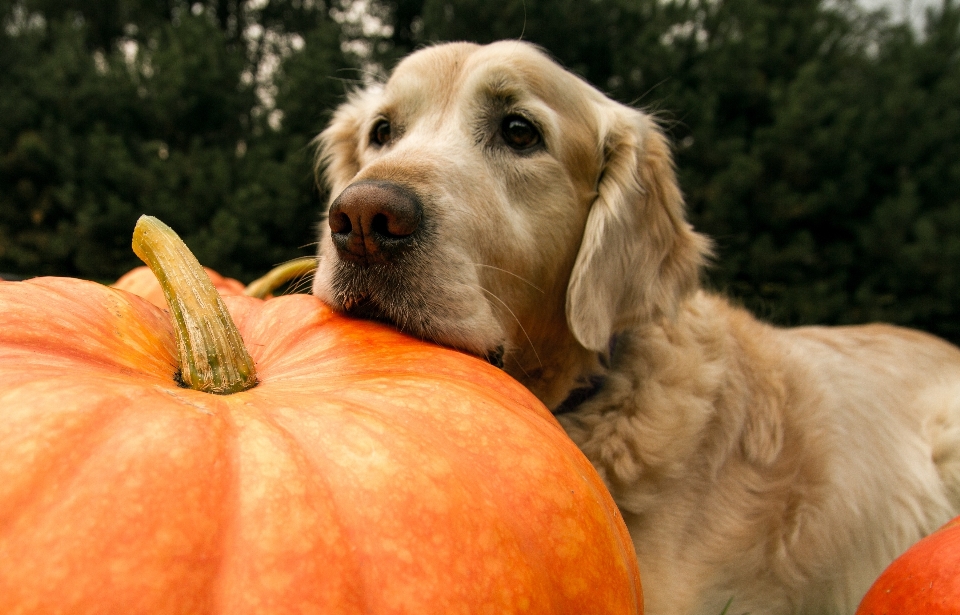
374 221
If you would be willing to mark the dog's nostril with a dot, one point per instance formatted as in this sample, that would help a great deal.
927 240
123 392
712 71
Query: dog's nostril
393 226
339 223
381 226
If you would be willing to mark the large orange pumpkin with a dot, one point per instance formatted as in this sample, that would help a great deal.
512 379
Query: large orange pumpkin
367 472
924 580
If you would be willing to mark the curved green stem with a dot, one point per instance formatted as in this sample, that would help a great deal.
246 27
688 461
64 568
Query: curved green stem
213 358
280 275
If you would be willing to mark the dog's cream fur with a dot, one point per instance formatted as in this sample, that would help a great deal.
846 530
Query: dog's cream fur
779 468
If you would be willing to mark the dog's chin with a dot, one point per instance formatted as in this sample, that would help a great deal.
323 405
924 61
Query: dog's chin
362 306
394 313
408 296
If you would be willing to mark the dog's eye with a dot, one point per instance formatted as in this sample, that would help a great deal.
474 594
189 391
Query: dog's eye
519 132
380 135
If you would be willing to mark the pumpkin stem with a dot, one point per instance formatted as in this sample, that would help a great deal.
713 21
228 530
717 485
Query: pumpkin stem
213 358
280 275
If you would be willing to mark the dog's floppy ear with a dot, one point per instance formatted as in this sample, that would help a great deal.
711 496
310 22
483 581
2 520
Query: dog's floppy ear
639 257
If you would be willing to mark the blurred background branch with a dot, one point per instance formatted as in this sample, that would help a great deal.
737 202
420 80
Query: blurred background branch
817 141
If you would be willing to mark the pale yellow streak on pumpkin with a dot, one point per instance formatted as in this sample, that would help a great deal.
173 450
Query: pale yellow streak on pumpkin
425 494
277 530
384 491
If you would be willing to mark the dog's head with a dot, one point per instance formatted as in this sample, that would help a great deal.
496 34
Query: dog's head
487 199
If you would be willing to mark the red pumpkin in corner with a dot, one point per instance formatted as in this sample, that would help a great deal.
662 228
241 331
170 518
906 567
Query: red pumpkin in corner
365 472
924 580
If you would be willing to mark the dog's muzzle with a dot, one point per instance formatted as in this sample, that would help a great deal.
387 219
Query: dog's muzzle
374 222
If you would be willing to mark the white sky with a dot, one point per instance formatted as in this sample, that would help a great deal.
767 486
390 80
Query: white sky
903 9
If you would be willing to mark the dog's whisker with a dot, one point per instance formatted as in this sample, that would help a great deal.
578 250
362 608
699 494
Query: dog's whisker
290 276
522 279
300 285
519 324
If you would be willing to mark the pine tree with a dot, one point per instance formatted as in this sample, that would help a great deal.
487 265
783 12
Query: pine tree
115 109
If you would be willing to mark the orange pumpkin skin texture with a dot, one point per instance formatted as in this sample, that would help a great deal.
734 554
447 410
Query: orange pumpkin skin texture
924 580
141 281
366 473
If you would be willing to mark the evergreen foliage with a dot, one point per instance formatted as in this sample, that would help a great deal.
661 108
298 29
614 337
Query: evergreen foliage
117 108
817 143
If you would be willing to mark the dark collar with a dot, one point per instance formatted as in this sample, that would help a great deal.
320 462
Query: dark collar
580 395
594 383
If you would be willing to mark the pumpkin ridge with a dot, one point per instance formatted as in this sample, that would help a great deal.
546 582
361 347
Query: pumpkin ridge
509 530
372 422
228 510
83 438
621 537
279 332
245 418
126 349
361 593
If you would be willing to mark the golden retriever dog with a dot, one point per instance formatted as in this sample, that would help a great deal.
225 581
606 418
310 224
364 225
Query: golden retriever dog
486 199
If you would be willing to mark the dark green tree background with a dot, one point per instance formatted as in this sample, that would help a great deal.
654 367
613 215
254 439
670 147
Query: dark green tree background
818 144
114 108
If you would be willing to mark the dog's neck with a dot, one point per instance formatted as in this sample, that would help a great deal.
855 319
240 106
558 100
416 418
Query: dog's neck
566 374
